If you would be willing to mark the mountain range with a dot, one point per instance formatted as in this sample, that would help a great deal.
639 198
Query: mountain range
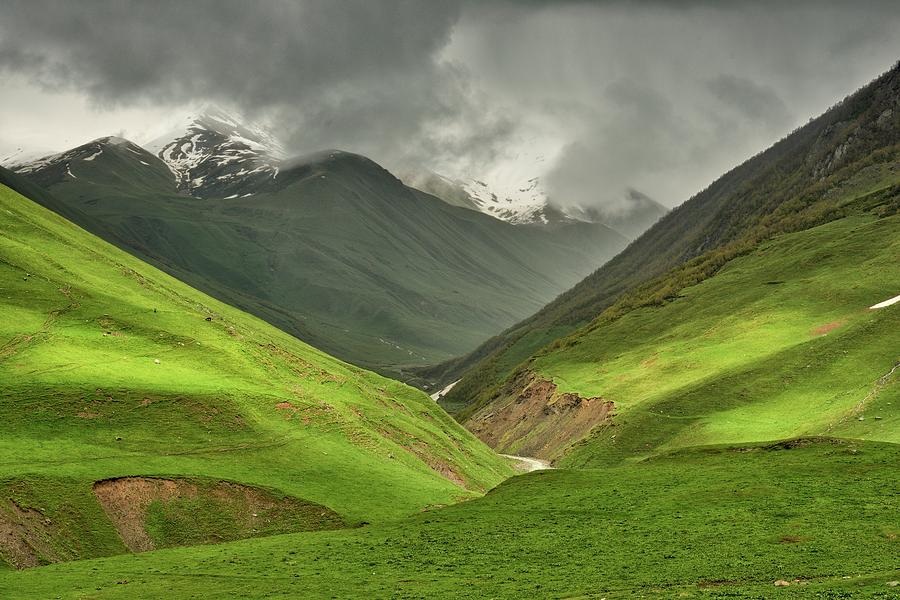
330 247
524 201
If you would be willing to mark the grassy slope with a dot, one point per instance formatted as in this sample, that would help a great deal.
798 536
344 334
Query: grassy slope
82 398
763 195
735 347
779 343
703 523
336 251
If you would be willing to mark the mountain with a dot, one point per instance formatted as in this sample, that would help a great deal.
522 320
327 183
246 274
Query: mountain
131 422
839 172
330 247
526 202
214 156
122 385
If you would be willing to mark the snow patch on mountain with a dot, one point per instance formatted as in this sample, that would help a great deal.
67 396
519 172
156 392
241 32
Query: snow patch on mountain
88 152
211 153
22 157
511 191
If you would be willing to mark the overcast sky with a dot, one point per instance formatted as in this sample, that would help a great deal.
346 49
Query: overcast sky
595 97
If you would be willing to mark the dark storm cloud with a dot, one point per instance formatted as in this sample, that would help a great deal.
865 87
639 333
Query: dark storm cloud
665 96
660 96
257 51
350 73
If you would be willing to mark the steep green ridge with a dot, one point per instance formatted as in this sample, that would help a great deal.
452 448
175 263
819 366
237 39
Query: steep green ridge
820 515
786 188
334 250
110 368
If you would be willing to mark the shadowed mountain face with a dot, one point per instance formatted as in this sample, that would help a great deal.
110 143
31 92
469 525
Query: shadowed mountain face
330 247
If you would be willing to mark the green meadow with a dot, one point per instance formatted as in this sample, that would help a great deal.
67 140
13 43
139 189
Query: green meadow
110 368
715 522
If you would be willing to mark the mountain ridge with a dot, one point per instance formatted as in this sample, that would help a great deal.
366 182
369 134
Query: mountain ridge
331 247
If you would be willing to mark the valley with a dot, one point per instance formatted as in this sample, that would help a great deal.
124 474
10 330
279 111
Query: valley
818 515
470 356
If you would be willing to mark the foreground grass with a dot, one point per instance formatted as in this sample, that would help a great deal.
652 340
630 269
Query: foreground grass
699 523
110 368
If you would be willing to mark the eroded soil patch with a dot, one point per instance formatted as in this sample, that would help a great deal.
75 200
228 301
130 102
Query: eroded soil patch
826 328
537 420
25 537
151 512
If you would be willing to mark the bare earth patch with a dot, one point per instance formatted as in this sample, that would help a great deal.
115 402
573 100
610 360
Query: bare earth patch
537 420
248 510
24 535
823 329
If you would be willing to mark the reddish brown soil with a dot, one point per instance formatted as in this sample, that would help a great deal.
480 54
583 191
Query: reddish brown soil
823 329
126 501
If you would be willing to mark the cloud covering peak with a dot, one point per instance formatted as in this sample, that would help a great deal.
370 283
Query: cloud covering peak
657 96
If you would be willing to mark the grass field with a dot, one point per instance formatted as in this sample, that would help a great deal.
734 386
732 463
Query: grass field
821 515
110 368
779 343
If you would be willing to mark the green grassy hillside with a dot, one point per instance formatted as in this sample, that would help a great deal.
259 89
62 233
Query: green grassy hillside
110 368
779 343
789 187
819 515
334 250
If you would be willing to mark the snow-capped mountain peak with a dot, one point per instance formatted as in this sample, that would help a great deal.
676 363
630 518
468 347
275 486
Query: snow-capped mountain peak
511 191
212 154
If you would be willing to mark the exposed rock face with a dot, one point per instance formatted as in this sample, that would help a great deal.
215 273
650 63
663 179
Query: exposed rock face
215 156
534 419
